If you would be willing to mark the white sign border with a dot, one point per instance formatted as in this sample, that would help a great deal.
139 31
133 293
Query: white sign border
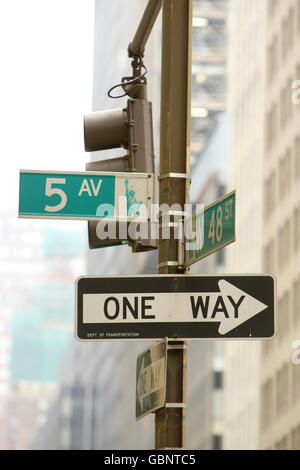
146 340
149 178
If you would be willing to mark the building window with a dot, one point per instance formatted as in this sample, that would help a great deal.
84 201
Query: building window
283 315
285 174
282 187
271 127
267 209
296 438
273 58
272 6
284 245
270 194
291 27
296 302
281 247
218 379
297 157
297 228
77 416
95 404
284 41
287 34
220 256
282 444
286 104
269 258
267 404
295 384
268 131
217 442
282 390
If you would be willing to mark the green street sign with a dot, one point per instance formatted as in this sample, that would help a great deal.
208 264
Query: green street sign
210 229
87 195
96 242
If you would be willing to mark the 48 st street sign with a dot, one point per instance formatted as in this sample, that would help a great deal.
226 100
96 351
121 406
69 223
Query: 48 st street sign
177 307
213 229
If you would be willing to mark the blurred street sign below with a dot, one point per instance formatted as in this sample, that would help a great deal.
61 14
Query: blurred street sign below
178 307
213 229
151 371
87 195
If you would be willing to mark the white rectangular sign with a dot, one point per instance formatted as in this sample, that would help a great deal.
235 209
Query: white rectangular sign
186 307
230 306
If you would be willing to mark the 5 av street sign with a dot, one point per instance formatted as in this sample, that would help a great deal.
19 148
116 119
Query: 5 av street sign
88 195
183 307
210 229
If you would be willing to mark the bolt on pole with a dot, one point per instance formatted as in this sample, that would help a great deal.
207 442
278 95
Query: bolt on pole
170 421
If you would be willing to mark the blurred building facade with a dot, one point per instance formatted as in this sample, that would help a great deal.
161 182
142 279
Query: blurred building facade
22 264
261 379
95 408
37 263
209 76
280 377
246 78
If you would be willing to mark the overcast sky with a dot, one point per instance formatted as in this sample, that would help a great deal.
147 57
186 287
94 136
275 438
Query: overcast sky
46 53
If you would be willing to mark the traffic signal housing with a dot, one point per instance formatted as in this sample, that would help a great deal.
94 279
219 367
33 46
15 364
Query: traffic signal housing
130 128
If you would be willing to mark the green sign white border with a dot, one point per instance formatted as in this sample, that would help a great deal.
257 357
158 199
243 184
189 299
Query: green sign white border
147 178
188 264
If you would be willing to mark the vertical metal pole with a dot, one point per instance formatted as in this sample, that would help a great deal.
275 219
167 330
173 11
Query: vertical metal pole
170 421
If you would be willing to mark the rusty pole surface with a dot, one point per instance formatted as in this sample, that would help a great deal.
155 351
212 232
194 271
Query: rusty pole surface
170 421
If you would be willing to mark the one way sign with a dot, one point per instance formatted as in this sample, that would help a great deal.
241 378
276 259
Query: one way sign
151 379
177 307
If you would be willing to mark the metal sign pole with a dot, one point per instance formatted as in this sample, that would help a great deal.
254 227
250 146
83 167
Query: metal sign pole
170 421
